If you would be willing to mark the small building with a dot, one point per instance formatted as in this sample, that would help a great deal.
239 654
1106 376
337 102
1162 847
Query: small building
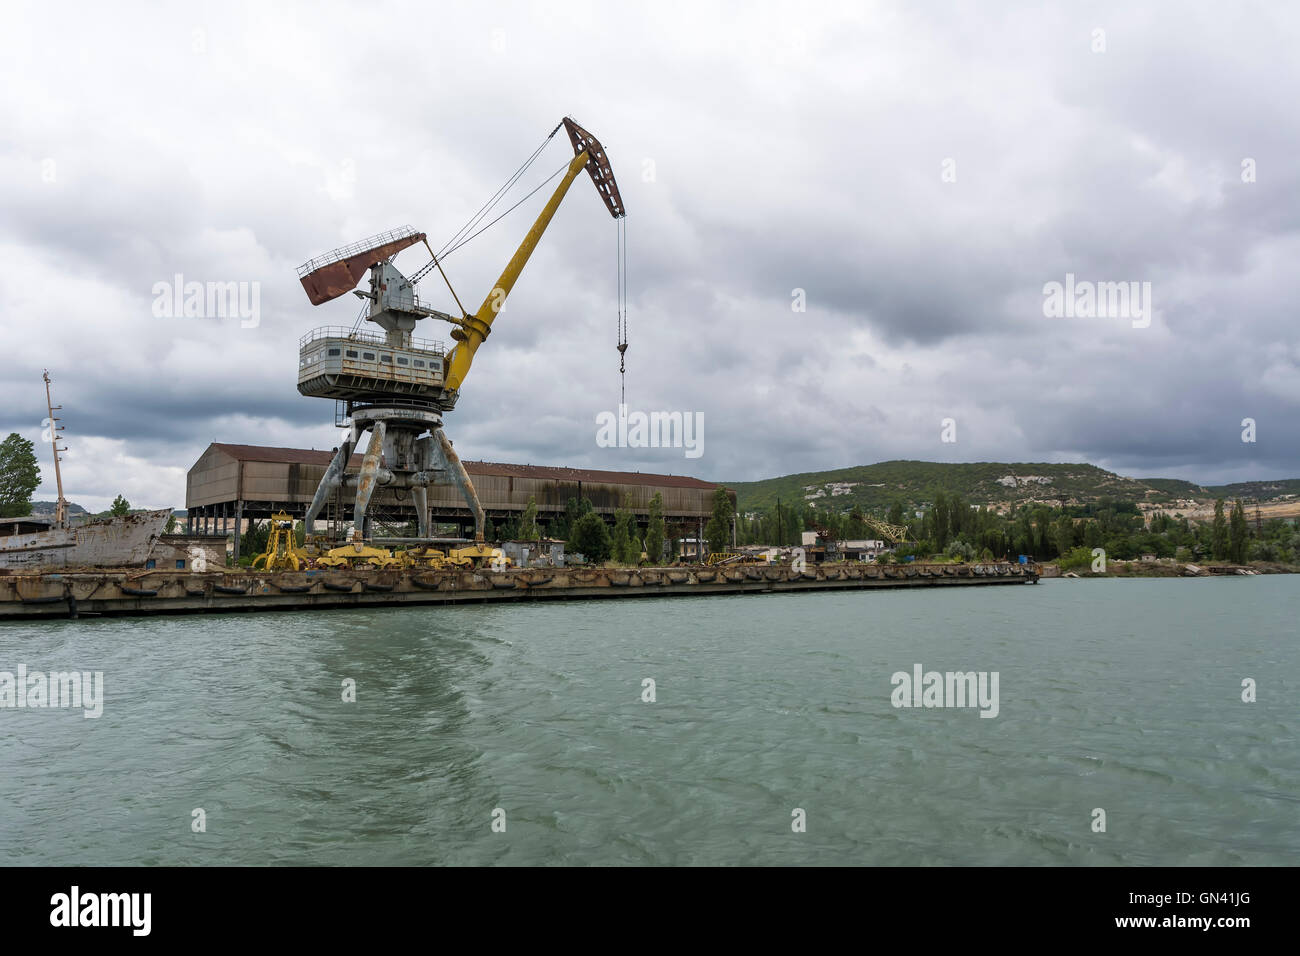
188 552
690 549
544 553
818 550
861 550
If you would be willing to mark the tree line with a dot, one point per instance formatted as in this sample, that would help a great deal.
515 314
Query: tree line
953 527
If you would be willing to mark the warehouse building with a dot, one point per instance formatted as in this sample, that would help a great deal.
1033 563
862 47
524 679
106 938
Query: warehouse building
233 483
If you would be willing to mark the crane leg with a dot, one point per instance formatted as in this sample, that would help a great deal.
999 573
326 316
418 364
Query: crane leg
367 479
420 492
331 479
460 477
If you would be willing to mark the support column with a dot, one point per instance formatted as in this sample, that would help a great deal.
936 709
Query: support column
367 479
424 460
460 477
239 518
332 479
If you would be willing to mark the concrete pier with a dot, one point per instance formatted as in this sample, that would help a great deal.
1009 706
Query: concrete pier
78 593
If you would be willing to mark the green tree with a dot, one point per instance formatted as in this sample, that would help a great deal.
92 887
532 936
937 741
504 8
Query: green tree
19 476
120 507
718 531
590 538
170 527
1219 533
941 524
620 538
1064 535
654 535
528 530
254 539
1237 532
573 510
959 550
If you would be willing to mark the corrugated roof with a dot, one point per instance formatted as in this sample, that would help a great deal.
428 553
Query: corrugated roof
305 456
548 473
298 456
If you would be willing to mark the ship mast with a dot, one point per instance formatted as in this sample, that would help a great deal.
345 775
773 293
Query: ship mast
61 506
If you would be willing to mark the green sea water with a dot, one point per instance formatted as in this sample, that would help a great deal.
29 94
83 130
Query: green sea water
521 734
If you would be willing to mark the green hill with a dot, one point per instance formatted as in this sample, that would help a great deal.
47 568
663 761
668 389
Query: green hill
873 488
1260 490
47 508
1176 487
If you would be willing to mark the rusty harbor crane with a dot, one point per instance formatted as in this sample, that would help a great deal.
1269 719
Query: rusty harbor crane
398 387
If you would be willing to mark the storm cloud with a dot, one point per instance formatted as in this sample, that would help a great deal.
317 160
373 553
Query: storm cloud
913 174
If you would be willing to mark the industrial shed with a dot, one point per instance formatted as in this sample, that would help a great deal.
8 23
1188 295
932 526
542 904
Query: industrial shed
233 482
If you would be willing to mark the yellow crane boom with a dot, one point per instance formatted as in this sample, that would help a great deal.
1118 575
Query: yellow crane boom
474 329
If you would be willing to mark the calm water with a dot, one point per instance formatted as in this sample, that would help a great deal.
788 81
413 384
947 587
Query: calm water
1124 695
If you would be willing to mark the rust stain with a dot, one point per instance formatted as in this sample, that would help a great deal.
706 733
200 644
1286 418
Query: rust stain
337 278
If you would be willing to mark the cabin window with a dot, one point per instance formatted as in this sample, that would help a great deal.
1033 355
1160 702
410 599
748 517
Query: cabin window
335 352
386 358
419 363
402 361
352 353
180 564
150 564
368 355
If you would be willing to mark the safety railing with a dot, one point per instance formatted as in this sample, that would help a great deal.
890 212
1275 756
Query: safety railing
356 248
377 339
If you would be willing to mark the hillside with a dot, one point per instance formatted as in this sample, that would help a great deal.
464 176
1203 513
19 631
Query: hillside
47 508
873 488
1261 490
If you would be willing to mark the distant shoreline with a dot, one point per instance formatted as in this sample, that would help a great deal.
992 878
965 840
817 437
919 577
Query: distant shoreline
1157 569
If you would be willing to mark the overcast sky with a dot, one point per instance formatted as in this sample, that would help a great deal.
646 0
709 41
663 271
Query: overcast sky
920 171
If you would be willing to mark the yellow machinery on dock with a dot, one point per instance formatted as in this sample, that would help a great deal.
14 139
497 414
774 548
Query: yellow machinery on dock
282 552
359 554
479 555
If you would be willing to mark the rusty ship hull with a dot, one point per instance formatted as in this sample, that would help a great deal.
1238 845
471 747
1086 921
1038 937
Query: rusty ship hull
117 542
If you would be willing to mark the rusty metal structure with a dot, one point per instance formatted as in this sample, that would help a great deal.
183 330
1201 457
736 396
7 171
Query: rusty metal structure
168 592
61 505
336 273
230 483
397 387
34 542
